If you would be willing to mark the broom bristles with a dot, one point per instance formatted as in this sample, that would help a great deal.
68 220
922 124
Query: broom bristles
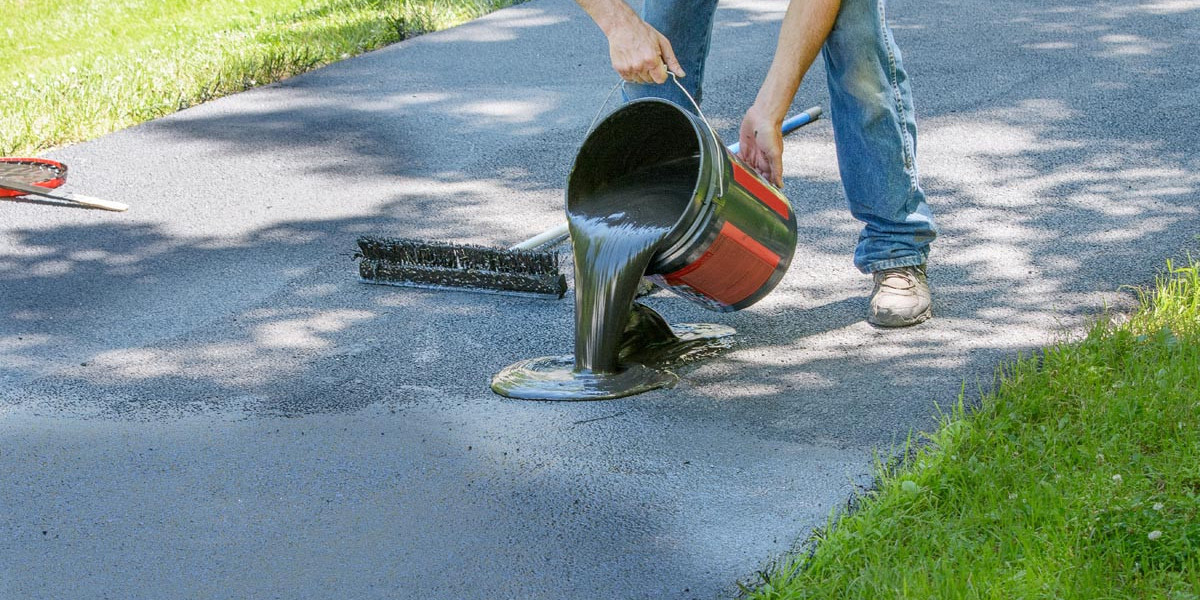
392 261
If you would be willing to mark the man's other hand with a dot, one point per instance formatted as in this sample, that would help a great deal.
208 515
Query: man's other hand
762 145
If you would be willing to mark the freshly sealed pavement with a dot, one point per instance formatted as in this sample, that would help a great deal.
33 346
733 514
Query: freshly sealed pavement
199 400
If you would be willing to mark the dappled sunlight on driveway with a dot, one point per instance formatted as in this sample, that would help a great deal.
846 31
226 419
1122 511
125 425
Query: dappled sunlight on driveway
503 26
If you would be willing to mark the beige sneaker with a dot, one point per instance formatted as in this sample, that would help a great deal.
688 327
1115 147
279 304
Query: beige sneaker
901 297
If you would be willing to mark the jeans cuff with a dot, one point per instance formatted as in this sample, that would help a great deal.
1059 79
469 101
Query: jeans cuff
892 263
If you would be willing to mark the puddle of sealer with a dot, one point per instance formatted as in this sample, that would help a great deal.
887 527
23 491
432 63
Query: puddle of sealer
648 339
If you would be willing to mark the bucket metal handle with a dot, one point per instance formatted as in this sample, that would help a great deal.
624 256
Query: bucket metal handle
600 111
720 171
621 85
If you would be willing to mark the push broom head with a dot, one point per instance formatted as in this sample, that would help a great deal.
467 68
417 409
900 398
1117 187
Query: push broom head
415 263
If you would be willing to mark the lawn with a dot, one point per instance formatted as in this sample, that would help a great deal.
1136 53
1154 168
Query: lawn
77 69
1077 476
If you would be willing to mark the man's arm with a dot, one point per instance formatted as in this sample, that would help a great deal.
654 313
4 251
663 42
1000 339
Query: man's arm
639 53
805 26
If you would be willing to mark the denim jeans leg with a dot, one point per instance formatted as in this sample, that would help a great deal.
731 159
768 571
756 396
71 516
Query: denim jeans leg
876 136
688 25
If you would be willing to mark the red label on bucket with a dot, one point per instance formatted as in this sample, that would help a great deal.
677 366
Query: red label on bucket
766 195
733 268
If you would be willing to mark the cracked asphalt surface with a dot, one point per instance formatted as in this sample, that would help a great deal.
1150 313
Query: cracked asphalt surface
199 400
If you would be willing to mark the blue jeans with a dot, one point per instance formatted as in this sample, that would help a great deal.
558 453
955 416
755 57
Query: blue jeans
872 112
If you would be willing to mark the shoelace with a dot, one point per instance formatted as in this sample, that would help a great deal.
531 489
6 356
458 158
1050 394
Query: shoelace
907 279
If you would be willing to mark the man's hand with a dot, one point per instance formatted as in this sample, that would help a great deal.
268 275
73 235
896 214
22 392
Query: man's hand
640 54
762 144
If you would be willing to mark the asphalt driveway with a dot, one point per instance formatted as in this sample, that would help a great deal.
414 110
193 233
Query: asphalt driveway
199 400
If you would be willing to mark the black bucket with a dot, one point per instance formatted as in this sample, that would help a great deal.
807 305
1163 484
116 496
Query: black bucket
733 241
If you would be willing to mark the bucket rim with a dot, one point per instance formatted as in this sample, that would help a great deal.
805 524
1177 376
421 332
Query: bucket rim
692 220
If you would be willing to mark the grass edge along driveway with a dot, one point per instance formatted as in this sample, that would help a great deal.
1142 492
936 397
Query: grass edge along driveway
1077 476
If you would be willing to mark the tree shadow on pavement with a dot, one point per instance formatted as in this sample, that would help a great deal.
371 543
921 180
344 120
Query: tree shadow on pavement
1046 199
1057 146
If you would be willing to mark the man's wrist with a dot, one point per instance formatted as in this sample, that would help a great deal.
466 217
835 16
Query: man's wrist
614 16
778 90
769 109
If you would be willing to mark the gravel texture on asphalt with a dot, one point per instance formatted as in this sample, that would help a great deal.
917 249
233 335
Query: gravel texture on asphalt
198 399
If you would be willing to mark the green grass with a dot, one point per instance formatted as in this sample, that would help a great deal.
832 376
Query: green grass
1077 477
76 69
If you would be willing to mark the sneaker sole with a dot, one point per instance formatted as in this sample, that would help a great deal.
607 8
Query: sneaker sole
921 318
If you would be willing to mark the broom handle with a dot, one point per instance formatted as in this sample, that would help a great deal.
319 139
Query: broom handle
74 198
553 235
558 233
